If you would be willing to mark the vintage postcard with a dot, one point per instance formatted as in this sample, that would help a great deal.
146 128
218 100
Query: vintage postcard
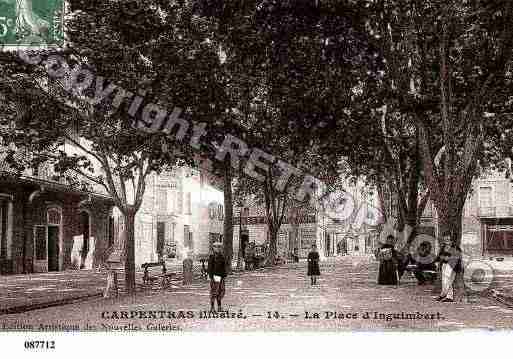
255 166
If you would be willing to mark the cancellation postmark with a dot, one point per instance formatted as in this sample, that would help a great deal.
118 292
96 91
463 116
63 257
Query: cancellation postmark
31 24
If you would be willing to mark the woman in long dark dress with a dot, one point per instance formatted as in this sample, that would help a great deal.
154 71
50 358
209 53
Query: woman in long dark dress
313 265
387 257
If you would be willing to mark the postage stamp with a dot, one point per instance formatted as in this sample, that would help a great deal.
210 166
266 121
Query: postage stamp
27 23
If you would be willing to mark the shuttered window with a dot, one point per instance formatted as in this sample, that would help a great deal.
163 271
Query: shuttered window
161 201
485 197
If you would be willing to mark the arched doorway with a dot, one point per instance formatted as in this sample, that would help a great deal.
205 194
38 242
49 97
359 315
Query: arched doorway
48 242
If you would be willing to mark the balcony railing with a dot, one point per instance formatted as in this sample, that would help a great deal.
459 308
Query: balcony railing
487 211
496 211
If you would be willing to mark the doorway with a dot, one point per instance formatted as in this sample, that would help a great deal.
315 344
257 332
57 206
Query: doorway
46 248
342 247
328 245
85 231
53 248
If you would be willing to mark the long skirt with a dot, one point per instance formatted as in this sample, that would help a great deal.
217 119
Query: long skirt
387 273
217 290
448 276
313 268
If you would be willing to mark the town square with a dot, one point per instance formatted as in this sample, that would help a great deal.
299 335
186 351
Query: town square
189 166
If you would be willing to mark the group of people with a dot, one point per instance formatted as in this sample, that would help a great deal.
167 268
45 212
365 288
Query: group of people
424 265
393 265
216 272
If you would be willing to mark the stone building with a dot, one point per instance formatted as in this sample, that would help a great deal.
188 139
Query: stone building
292 234
181 214
487 219
49 225
333 236
487 228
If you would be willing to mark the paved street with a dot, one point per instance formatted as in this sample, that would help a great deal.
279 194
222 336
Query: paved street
347 287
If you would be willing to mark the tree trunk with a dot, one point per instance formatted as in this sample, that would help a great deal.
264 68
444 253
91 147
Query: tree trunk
130 252
449 219
383 202
273 238
228 217
296 238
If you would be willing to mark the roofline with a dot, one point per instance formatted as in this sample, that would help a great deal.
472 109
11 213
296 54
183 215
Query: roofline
54 185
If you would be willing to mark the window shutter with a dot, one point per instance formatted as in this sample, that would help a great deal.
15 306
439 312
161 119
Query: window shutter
161 200
161 231
188 204
180 202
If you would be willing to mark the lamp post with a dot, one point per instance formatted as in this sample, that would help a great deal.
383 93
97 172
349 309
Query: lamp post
239 259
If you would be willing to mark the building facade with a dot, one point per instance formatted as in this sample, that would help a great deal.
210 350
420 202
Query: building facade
295 233
332 236
487 219
49 226
181 214
50 221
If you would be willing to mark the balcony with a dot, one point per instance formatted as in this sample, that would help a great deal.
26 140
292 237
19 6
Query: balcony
487 211
496 212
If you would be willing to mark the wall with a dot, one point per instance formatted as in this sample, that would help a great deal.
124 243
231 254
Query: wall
166 200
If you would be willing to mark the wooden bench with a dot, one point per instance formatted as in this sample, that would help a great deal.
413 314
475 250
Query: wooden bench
162 274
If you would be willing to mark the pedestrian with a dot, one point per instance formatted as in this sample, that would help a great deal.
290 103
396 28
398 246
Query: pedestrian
217 274
388 260
450 261
313 265
249 255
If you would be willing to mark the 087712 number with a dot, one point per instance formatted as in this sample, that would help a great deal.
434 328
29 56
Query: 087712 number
39 344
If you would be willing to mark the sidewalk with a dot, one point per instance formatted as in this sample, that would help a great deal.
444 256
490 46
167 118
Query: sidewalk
19 293
25 292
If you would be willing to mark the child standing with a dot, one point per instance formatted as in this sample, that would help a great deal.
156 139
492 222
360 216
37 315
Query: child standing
313 265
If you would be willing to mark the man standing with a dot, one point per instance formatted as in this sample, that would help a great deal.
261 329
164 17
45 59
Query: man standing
450 260
217 274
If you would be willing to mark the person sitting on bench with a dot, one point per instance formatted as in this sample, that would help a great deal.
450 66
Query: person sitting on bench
423 264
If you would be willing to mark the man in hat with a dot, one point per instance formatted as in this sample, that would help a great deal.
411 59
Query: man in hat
217 274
